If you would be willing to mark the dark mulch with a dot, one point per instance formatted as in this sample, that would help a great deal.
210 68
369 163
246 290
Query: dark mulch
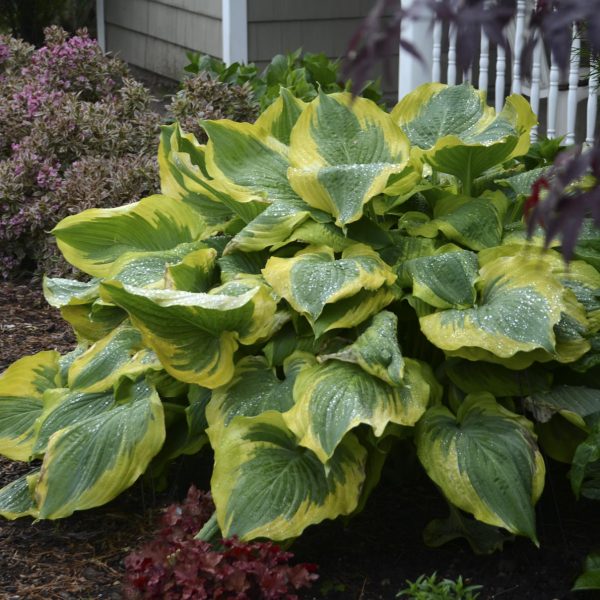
367 558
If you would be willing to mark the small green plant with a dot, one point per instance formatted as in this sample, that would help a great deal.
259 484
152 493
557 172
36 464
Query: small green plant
429 588
303 74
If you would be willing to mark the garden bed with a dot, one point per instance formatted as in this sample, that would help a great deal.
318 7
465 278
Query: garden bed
368 557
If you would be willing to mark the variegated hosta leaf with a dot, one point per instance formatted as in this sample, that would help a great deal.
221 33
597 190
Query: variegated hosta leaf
184 176
314 278
343 150
453 129
253 390
265 485
445 280
61 292
16 498
22 388
352 311
196 335
248 161
376 350
578 404
120 353
63 408
95 239
472 222
497 380
274 225
333 398
512 323
485 460
92 461
279 119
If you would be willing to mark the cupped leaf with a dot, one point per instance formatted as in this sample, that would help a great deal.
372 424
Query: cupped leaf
253 390
519 304
342 152
265 485
248 161
444 280
99 367
279 118
333 398
95 238
590 578
475 223
196 335
60 292
94 460
376 350
16 498
22 387
314 277
455 131
485 460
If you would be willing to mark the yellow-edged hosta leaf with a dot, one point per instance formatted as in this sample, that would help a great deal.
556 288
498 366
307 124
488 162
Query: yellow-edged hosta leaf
265 485
63 408
253 390
343 150
101 366
22 387
485 460
279 119
248 161
61 292
196 335
376 350
92 461
274 225
444 280
333 398
16 498
352 311
453 129
518 308
472 222
183 173
95 238
314 278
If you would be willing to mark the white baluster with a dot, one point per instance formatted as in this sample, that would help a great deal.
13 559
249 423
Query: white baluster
592 107
573 84
500 77
452 56
536 71
552 98
436 68
516 64
484 62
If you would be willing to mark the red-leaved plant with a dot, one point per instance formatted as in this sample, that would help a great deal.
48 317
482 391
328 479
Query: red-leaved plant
175 566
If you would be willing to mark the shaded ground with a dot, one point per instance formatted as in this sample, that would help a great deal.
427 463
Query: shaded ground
80 557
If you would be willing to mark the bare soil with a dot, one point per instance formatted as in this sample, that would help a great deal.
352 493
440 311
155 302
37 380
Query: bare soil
366 558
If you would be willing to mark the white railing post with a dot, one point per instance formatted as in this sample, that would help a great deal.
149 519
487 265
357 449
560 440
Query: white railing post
484 62
536 73
235 31
518 47
411 71
573 85
500 77
592 107
552 98
100 26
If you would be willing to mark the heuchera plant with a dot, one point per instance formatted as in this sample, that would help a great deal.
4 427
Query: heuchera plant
175 565
306 291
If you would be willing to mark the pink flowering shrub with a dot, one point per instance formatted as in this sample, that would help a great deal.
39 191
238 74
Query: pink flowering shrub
75 133
174 565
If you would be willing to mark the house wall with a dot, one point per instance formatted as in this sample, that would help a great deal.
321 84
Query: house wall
280 26
155 34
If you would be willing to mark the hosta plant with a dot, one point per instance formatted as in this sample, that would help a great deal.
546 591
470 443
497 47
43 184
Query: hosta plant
306 291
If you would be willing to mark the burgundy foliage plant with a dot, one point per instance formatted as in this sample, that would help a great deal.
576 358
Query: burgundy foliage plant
175 566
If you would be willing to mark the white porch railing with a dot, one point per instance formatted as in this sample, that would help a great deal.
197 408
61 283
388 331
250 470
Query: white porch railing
558 106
